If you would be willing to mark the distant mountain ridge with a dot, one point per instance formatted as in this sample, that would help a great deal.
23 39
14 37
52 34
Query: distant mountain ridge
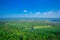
30 19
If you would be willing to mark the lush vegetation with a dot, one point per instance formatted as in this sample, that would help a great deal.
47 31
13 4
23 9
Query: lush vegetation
29 30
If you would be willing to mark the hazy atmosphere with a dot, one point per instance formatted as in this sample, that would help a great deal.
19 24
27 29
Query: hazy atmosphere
29 8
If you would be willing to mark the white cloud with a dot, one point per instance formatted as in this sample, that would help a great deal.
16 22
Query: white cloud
49 14
30 12
37 13
25 10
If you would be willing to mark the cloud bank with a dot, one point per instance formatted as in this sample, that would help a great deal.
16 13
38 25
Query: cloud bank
49 14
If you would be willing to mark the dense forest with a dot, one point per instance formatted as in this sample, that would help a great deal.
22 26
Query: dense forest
29 30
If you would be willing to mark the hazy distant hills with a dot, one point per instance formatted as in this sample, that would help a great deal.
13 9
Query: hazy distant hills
51 19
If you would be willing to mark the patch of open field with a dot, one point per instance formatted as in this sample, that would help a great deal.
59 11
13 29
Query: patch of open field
42 27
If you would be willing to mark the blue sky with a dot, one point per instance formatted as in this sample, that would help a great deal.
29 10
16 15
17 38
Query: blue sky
30 8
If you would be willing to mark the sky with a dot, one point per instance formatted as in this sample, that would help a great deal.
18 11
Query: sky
29 8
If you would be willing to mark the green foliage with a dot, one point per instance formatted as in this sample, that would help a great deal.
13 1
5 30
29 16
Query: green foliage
29 30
